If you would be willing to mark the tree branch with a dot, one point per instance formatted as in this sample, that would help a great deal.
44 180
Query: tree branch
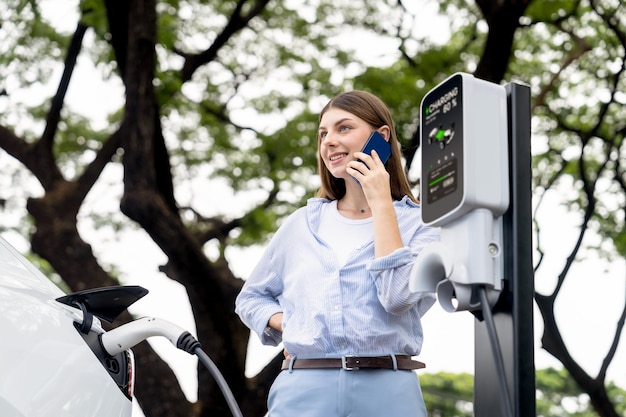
92 172
43 148
54 114
582 48
238 20
503 20
219 229
611 353
17 147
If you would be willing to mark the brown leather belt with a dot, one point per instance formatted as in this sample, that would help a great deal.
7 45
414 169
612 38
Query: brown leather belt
353 363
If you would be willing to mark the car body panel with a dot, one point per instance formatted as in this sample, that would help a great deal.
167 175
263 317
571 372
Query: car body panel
46 367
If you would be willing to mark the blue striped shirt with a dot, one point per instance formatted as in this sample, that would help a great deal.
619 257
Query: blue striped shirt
362 306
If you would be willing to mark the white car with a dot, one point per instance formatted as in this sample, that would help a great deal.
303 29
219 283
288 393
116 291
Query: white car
51 360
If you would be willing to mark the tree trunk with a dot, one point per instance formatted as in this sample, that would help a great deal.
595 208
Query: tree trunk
554 344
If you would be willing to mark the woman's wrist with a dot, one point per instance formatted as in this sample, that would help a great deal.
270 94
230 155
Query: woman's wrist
276 322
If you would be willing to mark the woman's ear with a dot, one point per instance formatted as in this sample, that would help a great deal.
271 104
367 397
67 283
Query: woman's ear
385 132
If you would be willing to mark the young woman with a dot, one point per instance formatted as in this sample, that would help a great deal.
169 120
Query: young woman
333 282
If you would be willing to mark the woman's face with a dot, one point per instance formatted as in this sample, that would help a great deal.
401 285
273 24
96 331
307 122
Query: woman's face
340 134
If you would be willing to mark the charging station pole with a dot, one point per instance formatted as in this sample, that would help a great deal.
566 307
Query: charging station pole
513 313
476 186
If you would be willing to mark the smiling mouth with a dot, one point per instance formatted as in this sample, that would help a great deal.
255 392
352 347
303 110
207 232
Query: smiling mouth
336 157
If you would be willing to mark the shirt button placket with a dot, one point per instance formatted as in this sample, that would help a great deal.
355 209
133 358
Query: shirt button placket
336 317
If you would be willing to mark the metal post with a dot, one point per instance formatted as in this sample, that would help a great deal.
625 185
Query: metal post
513 314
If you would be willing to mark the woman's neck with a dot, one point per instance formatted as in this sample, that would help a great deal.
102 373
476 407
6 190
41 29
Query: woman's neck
354 207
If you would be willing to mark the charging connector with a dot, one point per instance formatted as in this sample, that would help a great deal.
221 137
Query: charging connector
134 332
130 334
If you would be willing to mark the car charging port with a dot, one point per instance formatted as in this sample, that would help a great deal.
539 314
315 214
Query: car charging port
107 304
118 366
112 365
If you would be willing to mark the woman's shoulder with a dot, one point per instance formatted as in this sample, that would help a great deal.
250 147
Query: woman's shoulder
317 201
303 214
407 204
409 214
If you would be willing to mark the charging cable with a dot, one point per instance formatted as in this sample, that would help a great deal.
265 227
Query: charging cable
497 353
134 332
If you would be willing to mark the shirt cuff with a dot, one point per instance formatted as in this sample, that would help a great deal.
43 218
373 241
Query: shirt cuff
395 259
271 336
268 335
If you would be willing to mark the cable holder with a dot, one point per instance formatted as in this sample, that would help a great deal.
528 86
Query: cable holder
468 254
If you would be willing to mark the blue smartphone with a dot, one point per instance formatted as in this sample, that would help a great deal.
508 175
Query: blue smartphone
377 142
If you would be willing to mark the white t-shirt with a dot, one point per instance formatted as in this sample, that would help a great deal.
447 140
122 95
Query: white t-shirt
342 234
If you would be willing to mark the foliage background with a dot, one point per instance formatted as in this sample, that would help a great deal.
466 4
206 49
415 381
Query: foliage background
236 103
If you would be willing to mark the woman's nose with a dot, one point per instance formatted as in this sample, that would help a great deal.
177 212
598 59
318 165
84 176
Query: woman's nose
330 140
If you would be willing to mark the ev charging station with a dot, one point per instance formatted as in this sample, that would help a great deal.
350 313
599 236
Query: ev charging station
475 186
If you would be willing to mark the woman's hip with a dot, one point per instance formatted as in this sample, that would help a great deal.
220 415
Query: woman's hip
338 392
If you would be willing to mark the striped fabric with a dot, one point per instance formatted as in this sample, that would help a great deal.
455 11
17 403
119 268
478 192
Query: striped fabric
362 306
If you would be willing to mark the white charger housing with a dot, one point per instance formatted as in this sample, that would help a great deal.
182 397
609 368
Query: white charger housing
464 149
464 190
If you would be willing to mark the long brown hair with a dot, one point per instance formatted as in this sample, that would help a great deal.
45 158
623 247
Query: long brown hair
372 110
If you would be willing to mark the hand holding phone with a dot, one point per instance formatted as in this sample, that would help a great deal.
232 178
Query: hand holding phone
376 142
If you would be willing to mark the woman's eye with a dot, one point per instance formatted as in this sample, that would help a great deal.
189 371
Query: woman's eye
344 128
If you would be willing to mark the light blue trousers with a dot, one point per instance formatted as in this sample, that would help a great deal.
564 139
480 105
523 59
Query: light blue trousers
341 393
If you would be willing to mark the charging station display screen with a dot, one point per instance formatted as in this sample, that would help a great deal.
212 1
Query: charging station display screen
442 181
442 149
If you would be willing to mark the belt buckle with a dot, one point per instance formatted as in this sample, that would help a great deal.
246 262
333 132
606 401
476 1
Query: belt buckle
344 363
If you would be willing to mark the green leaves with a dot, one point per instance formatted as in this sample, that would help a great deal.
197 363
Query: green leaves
452 395
447 394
